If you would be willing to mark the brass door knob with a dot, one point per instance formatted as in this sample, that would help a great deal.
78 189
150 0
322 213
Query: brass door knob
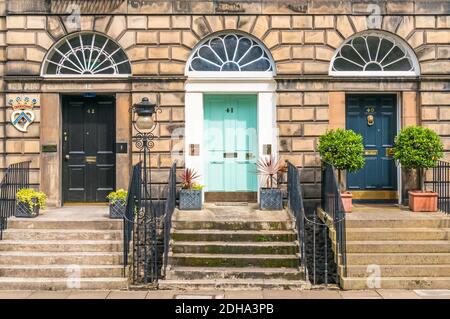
67 157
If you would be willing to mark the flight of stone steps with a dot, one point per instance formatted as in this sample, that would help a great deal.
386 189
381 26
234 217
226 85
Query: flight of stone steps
233 248
411 252
41 254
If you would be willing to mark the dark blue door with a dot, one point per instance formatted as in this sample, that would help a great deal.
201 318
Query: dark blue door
375 118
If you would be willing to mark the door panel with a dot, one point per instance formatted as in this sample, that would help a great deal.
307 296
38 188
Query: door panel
379 172
88 148
230 143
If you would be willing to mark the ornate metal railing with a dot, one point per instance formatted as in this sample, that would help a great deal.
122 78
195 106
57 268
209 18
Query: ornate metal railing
333 207
441 184
146 227
17 176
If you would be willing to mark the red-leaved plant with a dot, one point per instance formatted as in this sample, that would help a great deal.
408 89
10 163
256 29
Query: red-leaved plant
271 169
188 178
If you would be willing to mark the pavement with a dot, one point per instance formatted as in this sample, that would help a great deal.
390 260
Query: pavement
228 294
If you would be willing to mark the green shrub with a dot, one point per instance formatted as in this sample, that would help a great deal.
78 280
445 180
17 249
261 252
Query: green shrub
344 149
417 147
26 195
119 194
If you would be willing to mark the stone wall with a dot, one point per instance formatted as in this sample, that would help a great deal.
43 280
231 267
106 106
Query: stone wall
302 42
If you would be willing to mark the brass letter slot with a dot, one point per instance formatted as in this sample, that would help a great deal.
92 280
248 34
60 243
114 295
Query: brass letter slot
249 156
390 151
371 152
230 155
91 159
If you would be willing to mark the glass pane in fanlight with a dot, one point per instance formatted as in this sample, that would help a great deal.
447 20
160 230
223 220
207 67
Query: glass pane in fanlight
230 66
51 68
349 52
254 54
87 39
372 43
64 47
395 54
359 44
124 68
207 54
99 41
373 67
385 47
74 41
401 65
344 65
110 47
217 45
230 45
243 46
259 65
198 64
66 68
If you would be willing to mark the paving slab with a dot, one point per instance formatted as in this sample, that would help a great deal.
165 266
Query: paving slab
433 293
15 294
89 294
319 294
243 294
282 294
359 294
63 294
141 294
397 294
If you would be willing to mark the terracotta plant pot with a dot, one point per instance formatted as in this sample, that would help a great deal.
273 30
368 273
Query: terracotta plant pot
347 199
423 201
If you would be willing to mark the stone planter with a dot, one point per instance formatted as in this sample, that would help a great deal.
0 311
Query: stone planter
117 209
270 199
347 199
190 199
422 201
23 210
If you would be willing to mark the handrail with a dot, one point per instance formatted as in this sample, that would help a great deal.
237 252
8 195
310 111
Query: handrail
169 209
17 176
441 185
332 205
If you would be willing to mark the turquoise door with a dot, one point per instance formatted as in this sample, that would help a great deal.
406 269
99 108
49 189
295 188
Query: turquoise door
231 144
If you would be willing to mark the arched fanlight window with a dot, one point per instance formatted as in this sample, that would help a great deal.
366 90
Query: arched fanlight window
230 52
84 55
374 54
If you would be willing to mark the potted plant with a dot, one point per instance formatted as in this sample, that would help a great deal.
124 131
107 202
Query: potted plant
270 197
191 192
344 150
419 148
28 202
117 203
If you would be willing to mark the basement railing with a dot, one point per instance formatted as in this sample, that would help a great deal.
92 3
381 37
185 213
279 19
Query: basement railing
146 228
333 207
17 176
441 185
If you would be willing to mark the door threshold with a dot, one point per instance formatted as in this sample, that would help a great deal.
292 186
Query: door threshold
85 204
375 195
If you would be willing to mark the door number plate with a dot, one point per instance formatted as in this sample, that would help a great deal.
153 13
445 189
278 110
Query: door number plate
230 155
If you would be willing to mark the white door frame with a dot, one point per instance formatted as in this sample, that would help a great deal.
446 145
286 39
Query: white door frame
263 86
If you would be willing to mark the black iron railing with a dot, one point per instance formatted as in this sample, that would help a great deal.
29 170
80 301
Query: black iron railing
146 227
295 205
441 185
333 207
17 176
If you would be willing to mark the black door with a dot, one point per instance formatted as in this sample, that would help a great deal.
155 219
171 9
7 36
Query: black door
88 148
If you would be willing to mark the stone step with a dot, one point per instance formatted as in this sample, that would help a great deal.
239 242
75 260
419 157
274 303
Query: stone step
400 270
48 258
218 247
397 234
62 246
234 235
63 271
233 284
14 283
398 283
236 260
232 225
195 273
399 223
411 246
61 234
31 223
398 258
